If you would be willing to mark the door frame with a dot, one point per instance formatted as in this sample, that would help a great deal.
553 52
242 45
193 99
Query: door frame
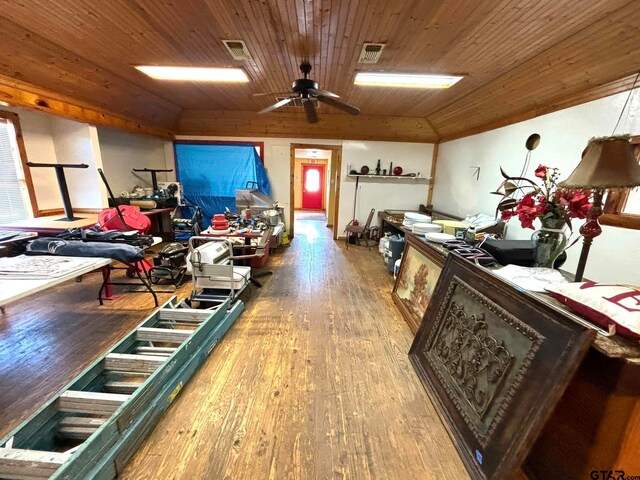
335 167
323 184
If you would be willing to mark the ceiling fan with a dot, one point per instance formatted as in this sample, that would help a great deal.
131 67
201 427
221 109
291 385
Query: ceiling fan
307 90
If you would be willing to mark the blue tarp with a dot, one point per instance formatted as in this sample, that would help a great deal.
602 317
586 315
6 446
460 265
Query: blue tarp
211 174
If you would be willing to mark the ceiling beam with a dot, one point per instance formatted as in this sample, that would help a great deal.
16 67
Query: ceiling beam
21 94
294 125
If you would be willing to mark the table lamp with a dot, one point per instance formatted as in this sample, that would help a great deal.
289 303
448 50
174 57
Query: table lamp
607 163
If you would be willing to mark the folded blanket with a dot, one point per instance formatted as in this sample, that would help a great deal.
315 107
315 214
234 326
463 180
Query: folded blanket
75 248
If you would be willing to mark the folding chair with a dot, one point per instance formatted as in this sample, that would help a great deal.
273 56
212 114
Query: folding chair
360 231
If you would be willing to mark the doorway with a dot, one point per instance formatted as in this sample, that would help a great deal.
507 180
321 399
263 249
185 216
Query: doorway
313 186
315 182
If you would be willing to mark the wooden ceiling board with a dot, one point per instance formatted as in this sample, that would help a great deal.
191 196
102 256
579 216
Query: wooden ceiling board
513 34
622 85
294 125
85 34
520 55
551 76
33 57
145 40
21 94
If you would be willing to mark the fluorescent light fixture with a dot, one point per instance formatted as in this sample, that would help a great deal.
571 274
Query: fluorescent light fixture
3 103
405 80
195 74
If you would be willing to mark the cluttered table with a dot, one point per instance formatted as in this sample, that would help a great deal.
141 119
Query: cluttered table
615 346
600 410
54 224
23 275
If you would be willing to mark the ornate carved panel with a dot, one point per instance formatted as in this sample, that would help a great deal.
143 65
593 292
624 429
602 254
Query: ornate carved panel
495 361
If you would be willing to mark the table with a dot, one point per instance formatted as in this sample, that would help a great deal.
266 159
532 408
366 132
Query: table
596 423
19 238
12 289
53 225
138 269
159 213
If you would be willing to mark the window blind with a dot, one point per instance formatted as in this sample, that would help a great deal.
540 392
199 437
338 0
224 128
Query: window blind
12 205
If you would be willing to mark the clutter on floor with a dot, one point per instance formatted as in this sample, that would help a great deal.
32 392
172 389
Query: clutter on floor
356 233
170 265
186 221
215 278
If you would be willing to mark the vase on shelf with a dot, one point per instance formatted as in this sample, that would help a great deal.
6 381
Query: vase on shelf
549 242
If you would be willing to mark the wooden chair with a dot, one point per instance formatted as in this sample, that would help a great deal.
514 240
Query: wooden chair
360 231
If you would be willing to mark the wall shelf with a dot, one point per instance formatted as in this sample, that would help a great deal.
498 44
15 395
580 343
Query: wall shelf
394 177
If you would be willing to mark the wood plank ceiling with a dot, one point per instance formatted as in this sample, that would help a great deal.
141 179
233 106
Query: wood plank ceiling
521 57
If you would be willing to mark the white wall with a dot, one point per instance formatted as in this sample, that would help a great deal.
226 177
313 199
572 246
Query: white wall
383 195
51 139
121 152
615 255
76 142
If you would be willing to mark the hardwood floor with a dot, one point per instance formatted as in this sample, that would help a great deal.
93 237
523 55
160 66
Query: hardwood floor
311 382
48 338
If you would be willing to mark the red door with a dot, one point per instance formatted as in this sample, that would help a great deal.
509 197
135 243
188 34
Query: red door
312 186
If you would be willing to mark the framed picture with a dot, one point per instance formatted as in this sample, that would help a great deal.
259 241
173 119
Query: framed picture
419 271
495 361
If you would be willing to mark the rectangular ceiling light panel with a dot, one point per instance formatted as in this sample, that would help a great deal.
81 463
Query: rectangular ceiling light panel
195 74
405 80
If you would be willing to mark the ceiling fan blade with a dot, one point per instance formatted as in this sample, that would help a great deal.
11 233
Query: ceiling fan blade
319 91
345 107
310 110
273 94
279 104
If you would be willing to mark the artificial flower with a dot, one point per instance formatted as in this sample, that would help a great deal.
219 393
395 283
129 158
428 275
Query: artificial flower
507 214
541 171
545 201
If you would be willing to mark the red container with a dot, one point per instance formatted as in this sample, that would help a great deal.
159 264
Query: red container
219 222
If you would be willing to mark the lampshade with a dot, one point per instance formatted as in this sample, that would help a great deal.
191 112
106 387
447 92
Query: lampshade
607 162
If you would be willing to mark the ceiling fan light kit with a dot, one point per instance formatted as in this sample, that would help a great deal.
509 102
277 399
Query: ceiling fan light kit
405 80
307 91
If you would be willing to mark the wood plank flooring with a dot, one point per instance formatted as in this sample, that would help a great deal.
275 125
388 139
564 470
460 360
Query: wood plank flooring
48 338
312 382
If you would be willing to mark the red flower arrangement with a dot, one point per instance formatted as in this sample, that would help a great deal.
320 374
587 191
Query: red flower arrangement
545 201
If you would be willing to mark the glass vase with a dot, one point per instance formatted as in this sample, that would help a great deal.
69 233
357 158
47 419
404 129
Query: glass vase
548 242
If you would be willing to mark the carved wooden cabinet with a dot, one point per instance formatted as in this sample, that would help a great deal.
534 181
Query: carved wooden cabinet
495 361
595 426
523 388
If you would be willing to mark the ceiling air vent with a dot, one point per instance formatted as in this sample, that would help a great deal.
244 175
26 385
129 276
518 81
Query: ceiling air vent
237 49
371 52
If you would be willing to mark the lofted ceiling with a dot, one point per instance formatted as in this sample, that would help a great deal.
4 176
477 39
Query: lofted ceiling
521 58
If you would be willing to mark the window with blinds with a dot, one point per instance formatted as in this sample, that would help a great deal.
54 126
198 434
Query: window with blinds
13 204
